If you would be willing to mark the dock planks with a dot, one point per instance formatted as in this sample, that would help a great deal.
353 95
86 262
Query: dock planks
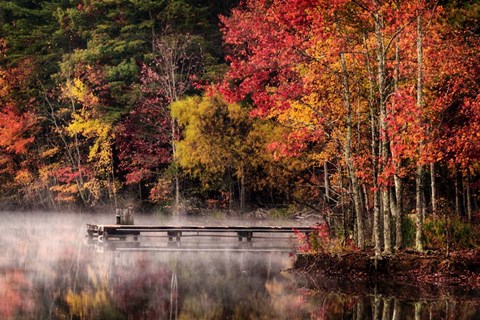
120 232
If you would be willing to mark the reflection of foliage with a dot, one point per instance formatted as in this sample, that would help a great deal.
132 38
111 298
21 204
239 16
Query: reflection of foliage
201 306
15 294
141 290
94 305
127 285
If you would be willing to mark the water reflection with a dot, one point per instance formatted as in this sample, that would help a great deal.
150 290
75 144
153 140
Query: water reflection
340 306
49 271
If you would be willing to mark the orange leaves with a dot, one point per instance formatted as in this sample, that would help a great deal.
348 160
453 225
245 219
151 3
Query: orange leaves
286 58
160 191
15 130
17 122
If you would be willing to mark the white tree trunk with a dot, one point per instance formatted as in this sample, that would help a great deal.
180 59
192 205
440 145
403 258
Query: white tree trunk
348 158
433 187
419 179
384 146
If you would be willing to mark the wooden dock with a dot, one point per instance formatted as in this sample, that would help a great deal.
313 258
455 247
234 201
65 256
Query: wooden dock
121 232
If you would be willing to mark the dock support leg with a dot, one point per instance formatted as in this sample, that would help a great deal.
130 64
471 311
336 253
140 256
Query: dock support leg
172 234
245 234
103 236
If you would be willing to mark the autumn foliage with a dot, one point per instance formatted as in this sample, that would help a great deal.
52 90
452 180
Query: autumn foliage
362 110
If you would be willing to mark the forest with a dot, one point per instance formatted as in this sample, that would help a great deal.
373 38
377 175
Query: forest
366 112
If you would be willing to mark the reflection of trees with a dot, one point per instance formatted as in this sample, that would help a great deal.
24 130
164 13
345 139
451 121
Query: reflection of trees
46 273
335 306
142 289
331 301
140 286
15 294
225 286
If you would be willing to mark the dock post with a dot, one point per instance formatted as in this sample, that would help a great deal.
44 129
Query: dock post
118 216
128 215
124 216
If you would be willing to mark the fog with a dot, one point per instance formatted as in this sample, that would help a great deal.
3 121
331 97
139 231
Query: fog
49 269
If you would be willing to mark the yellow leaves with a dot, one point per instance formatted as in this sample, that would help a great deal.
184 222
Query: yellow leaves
24 177
77 91
215 136
94 187
4 86
49 152
327 154
299 115
100 131
83 123
65 192
236 112
181 110
84 304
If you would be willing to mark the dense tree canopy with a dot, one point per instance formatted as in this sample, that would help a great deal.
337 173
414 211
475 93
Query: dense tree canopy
352 108
78 85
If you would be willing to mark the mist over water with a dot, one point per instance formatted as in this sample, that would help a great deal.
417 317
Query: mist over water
48 270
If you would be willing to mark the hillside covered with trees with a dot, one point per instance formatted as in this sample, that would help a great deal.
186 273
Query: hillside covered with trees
365 111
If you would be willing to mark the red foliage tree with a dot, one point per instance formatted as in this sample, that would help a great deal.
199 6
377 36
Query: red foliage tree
144 135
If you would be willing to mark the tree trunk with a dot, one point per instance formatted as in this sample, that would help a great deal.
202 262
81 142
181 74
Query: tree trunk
230 189
386 309
326 181
360 310
366 207
242 190
418 311
73 153
468 199
175 65
397 164
393 209
384 146
376 194
433 187
376 305
387 221
348 158
419 179
152 29
399 213
397 310
176 207
419 209
458 194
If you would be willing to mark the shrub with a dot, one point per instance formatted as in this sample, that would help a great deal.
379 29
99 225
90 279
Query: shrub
459 234
408 229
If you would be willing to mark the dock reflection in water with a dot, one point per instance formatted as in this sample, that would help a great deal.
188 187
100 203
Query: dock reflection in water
49 271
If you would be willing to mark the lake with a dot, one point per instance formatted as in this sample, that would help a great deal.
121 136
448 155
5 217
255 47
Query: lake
48 270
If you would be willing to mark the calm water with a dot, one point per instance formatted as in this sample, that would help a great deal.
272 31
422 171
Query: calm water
49 271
